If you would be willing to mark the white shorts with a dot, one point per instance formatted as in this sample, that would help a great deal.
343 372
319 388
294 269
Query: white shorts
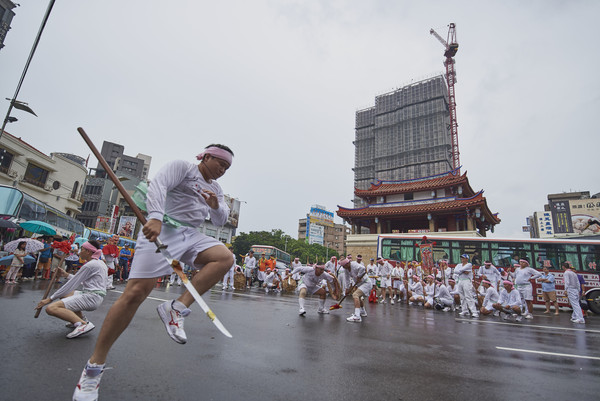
248 272
385 282
311 290
80 300
418 297
398 285
526 292
184 244
262 276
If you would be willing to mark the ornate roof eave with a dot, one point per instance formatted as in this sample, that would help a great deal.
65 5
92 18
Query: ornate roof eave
445 180
407 208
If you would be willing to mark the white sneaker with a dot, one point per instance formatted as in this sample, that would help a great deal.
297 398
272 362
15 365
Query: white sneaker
70 325
173 321
392 301
506 316
363 312
518 318
475 315
81 329
87 387
446 309
529 316
465 313
497 313
323 311
382 301
354 318
410 303
302 312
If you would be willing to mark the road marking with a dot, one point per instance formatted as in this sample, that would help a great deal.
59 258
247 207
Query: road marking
528 325
548 353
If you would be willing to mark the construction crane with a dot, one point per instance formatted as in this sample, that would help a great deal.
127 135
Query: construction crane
451 47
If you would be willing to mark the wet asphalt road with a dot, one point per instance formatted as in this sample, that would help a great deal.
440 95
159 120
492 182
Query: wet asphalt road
397 353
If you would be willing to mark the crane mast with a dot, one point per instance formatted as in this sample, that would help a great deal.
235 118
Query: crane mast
451 47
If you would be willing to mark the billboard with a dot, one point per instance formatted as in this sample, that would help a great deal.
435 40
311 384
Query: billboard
581 211
316 234
126 226
319 215
102 223
544 224
561 216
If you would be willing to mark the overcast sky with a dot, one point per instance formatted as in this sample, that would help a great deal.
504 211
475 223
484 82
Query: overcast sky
280 81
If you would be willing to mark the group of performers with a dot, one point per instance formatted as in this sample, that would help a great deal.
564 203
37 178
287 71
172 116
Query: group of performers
496 292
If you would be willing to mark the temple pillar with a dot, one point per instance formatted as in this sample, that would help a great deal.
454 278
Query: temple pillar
470 224
432 225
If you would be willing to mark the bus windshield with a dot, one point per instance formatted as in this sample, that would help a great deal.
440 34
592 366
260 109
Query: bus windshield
281 256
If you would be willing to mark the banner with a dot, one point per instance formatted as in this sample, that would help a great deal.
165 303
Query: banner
126 226
234 210
426 256
544 224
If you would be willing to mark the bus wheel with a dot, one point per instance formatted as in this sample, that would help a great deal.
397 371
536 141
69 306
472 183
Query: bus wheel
593 300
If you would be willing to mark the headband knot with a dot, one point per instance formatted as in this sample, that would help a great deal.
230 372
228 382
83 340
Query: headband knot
96 253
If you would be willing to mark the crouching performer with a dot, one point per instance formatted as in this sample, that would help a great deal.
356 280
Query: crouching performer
357 272
92 277
313 275
509 302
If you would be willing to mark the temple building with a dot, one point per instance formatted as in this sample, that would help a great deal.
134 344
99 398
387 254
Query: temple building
438 203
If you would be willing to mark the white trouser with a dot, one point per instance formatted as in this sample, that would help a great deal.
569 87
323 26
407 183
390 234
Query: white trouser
448 301
465 290
228 276
573 295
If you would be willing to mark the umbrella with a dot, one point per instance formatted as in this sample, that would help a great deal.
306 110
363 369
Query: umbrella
7 224
7 260
80 240
36 226
32 245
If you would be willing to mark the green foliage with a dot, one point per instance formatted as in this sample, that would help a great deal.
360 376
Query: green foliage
297 248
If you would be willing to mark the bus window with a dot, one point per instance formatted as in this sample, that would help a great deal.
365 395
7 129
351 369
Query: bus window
590 256
9 201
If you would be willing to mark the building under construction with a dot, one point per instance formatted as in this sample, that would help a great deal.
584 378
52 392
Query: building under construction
404 136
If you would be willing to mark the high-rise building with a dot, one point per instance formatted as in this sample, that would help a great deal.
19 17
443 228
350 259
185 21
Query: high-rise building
6 16
404 136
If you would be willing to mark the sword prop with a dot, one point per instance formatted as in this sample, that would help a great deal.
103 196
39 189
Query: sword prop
162 248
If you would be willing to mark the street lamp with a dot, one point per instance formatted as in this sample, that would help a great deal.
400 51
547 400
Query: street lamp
111 203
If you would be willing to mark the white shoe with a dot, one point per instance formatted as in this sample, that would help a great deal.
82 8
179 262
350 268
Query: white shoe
363 312
323 311
475 315
410 303
81 329
173 321
87 387
497 313
382 301
506 316
392 301
446 309
302 312
354 318
518 318
465 313
529 316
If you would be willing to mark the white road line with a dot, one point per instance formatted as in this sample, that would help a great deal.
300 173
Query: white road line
548 353
527 325
212 292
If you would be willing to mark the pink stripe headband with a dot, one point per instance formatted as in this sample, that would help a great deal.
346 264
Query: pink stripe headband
96 252
216 152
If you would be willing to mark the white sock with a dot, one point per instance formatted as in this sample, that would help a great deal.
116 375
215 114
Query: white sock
93 369
356 311
363 310
77 324
301 302
321 303
178 306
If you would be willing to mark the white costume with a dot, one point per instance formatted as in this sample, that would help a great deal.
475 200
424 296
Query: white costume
229 276
176 190
250 262
521 276
572 289
491 297
465 287
444 296
491 273
385 275
92 277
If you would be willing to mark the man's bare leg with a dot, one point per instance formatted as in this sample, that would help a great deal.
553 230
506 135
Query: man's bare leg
216 262
120 315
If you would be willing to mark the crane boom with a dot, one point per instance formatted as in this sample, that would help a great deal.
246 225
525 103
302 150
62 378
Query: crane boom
451 47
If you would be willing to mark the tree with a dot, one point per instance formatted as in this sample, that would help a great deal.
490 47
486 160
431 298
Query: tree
296 248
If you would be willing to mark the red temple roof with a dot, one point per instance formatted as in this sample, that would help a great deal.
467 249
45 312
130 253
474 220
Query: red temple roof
446 180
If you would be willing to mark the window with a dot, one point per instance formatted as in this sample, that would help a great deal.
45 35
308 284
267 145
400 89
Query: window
5 160
75 188
408 197
36 175
89 206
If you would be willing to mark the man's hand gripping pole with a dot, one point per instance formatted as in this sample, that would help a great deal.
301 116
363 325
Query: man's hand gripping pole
162 248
